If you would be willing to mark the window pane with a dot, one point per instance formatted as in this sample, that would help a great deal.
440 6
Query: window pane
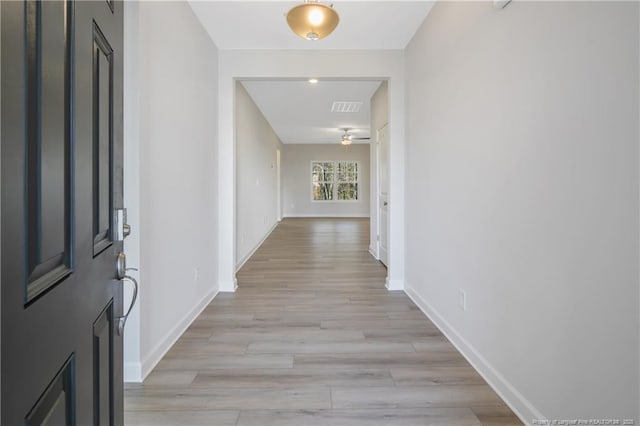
342 172
322 191
347 171
322 172
328 171
348 191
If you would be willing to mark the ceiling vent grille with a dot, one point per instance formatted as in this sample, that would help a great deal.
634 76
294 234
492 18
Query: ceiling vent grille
345 106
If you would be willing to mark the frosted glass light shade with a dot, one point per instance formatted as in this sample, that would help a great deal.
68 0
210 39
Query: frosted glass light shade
312 20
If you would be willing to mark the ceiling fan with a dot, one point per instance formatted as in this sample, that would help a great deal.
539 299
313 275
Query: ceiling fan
347 137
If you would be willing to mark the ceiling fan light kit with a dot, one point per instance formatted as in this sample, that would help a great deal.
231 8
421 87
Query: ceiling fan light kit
312 20
348 138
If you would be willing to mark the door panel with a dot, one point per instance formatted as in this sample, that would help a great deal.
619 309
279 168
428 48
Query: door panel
61 181
48 30
102 140
56 406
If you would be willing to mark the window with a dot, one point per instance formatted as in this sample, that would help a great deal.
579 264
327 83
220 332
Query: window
334 180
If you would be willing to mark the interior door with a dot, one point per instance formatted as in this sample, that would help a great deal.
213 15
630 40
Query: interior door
279 185
383 193
61 140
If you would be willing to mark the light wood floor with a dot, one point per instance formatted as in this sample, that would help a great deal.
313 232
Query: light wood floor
312 337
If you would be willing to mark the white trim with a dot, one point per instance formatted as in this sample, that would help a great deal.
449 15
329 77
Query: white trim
228 286
173 335
132 372
394 285
522 407
373 253
337 216
253 250
369 65
279 184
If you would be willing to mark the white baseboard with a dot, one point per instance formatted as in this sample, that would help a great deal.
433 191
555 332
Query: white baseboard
393 285
132 372
373 253
162 347
514 399
257 246
338 216
228 286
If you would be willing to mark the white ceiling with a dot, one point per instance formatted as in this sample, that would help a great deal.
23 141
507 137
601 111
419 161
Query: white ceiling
243 24
300 112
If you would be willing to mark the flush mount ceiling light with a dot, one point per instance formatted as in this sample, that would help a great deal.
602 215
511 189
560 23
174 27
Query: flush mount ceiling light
312 20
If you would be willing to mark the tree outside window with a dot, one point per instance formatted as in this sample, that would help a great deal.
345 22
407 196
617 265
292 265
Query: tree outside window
334 180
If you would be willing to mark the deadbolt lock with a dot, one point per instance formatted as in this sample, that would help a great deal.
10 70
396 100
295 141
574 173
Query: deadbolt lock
122 228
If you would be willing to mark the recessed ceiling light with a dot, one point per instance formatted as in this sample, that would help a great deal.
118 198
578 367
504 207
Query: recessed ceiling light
313 80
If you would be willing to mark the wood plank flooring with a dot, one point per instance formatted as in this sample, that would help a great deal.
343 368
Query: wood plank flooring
312 337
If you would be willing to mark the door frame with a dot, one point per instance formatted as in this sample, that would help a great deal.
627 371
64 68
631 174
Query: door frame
278 185
299 65
378 198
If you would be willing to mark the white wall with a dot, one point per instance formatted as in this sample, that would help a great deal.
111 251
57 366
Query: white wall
256 177
379 117
343 65
176 102
296 173
522 170
131 173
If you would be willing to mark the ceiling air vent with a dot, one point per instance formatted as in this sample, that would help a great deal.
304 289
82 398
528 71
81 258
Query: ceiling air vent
345 106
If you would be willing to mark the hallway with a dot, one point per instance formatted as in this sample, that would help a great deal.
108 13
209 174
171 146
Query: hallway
312 337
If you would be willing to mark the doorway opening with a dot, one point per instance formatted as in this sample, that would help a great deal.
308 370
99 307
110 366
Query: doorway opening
292 159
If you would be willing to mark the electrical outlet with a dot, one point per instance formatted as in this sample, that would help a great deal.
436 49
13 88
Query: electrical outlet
242 238
293 206
462 299
196 274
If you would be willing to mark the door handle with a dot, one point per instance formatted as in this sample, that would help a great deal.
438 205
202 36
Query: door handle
121 275
385 204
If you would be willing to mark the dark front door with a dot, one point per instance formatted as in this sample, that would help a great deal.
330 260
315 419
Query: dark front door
61 141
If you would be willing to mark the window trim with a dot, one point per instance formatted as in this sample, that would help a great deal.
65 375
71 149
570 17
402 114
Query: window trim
335 181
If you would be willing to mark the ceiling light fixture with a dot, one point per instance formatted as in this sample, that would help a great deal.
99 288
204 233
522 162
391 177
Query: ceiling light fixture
312 20
313 80
346 138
